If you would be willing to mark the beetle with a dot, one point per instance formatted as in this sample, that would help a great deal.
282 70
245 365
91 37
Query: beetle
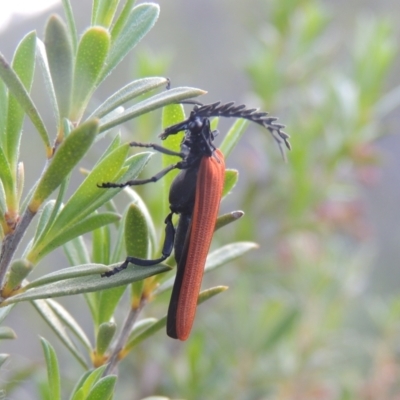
195 195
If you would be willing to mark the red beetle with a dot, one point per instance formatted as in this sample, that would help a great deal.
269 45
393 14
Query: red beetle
195 195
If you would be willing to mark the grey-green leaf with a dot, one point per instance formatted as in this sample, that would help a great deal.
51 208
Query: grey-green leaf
174 95
140 20
60 59
88 283
128 92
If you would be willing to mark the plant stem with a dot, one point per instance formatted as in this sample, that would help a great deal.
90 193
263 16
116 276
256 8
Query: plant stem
123 337
12 241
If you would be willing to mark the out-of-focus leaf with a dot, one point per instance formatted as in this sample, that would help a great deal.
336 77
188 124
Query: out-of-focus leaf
69 322
7 333
53 373
24 67
140 20
86 382
104 12
17 89
103 389
60 59
228 218
58 327
232 137
71 24
231 178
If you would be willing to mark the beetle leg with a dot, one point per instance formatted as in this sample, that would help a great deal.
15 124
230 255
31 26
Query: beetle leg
158 148
166 251
155 178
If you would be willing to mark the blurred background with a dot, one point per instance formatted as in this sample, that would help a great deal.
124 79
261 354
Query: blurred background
314 312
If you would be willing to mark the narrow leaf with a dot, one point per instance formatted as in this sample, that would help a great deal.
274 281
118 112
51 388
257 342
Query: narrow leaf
88 197
228 218
17 89
48 82
71 24
128 92
105 12
89 224
86 382
70 152
103 389
232 137
7 333
122 19
230 180
140 21
70 322
175 95
58 327
92 51
89 283
60 58
24 67
53 373
3 359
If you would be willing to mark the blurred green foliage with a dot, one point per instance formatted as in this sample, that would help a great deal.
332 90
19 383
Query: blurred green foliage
299 321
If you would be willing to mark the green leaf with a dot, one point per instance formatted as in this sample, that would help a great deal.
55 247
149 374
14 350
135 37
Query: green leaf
282 327
172 114
92 52
3 359
53 373
93 222
103 389
104 12
24 67
4 311
104 337
6 176
19 270
7 333
17 89
57 325
86 382
66 318
44 217
156 326
3 112
88 197
122 19
70 152
67 273
60 58
88 283
140 20
230 180
232 137
76 252
228 218
48 82
128 92
136 243
71 24
175 95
